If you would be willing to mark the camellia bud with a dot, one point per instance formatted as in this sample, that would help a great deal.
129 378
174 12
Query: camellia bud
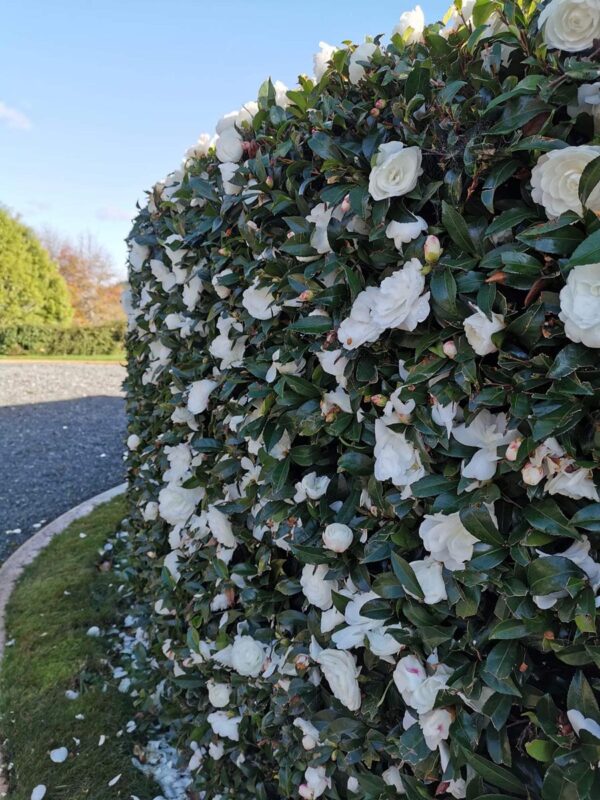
381 103
302 662
269 181
374 112
345 206
513 449
306 295
531 474
449 349
379 400
432 249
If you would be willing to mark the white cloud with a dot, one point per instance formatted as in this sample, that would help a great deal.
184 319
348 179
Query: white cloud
114 214
14 118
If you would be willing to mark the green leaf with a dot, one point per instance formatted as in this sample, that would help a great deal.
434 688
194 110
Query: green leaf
540 749
590 178
495 775
588 251
550 574
432 485
497 176
478 521
356 463
502 659
457 229
404 572
587 518
546 516
418 82
509 629
316 324
301 386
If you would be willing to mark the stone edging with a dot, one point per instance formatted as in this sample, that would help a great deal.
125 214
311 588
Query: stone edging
11 570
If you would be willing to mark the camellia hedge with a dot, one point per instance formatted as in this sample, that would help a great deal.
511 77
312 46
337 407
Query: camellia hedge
364 420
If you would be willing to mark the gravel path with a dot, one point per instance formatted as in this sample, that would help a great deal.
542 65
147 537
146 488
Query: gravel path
62 427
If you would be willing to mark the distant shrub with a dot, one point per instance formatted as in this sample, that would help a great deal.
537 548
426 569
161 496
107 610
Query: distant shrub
31 287
75 340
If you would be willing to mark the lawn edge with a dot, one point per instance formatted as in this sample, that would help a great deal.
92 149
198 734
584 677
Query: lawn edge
13 567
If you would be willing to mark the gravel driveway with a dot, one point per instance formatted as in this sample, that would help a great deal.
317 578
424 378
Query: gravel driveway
62 427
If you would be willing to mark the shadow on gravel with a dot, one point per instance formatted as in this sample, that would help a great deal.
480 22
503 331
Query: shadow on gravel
53 456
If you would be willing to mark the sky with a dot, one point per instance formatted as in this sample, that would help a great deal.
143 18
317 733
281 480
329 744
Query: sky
99 99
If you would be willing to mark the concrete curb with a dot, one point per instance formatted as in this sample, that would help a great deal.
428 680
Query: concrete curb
13 567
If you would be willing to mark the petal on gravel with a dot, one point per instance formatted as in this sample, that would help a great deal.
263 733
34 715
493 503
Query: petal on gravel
59 755
115 780
39 792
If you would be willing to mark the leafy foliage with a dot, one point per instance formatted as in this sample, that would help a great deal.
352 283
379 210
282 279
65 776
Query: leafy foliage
483 103
31 288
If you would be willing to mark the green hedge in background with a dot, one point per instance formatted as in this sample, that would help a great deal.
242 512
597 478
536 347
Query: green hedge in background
51 341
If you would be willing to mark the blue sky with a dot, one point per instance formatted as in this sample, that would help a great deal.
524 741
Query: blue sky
100 98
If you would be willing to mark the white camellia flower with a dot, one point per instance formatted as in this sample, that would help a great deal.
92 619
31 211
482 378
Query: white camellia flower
247 656
228 170
487 432
570 25
405 232
396 459
221 289
581 723
281 98
311 487
428 573
479 329
322 58
230 352
220 527
333 362
577 483
588 102
259 302
555 180
337 537
163 274
201 148
199 394
447 539
415 20
176 504
579 554
224 725
133 441
341 673
580 305
409 674
393 777
396 171
320 216
400 303
444 415
363 53
216 750
315 783
436 727
218 693
138 253
361 326
315 587
310 735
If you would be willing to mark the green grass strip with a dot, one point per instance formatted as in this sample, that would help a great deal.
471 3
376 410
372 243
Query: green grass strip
60 596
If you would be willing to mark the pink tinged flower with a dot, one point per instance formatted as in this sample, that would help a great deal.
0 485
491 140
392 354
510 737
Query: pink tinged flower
435 726
432 250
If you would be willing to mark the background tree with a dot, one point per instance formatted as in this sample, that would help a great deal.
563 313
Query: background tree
32 289
89 273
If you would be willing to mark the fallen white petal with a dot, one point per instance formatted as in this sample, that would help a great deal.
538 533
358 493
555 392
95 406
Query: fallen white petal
115 780
39 792
59 755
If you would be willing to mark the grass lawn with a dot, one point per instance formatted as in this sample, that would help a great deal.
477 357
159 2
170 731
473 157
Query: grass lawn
111 359
60 596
